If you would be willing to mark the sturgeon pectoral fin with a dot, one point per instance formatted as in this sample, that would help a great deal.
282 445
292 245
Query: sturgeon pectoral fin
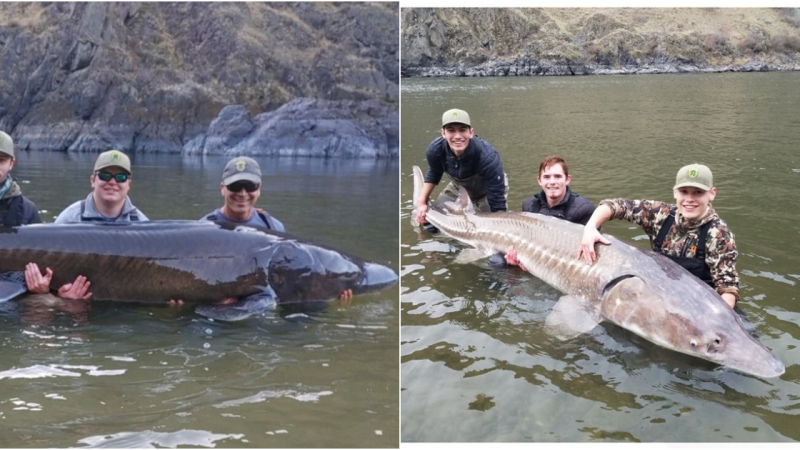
469 255
252 306
12 285
571 317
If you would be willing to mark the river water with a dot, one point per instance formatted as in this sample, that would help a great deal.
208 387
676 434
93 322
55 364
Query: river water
137 376
476 364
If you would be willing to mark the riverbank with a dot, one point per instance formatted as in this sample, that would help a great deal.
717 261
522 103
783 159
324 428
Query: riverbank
530 67
597 41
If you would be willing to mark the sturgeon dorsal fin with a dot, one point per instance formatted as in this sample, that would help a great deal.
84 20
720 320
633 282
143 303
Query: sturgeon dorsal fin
464 202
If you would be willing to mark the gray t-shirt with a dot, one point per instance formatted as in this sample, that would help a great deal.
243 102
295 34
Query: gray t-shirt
256 220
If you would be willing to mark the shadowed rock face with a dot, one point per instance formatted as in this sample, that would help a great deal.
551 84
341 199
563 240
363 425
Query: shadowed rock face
152 77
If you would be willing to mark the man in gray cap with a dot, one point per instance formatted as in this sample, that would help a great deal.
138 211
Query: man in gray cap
241 188
108 202
470 162
15 208
689 232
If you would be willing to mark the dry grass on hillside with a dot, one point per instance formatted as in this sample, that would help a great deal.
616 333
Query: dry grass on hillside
735 23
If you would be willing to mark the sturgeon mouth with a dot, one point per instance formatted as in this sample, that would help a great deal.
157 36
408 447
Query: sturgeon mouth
376 277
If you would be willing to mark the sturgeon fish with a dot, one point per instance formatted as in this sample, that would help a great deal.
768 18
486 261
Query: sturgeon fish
638 290
197 261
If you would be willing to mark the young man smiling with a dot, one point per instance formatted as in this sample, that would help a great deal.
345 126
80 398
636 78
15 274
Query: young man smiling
15 209
689 232
555 199
108 202
240 189
470 162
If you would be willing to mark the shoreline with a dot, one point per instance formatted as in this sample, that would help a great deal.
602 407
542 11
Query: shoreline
525 69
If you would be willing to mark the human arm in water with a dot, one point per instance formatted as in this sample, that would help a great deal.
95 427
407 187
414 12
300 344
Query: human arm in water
422 202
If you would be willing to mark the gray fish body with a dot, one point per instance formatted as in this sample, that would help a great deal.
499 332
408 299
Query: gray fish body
196 261
638 290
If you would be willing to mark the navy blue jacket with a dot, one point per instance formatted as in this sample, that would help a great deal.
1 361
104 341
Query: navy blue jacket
479 158
572 207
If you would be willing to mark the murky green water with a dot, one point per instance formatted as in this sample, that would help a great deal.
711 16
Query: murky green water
476 364
135 376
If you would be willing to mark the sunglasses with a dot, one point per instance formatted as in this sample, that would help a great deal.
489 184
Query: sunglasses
248 186
118 177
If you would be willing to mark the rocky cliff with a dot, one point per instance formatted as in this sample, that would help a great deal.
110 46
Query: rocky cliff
313 79
582 41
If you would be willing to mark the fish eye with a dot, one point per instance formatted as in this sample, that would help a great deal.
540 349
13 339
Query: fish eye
693 343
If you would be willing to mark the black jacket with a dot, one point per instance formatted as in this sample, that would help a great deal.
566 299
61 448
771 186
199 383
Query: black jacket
572 207
479 158
18 210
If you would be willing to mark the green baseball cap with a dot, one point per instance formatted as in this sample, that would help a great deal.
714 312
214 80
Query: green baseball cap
241 168
455 116
695 175
113 158
6 144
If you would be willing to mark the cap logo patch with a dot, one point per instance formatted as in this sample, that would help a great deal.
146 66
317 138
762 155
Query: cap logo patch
693 173
240 165
115 156
455 114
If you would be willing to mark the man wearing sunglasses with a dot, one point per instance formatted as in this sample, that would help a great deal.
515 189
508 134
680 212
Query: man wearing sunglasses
241 188
108 202
15 209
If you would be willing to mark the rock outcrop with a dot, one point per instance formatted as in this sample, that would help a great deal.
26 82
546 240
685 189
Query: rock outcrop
199 77
584 41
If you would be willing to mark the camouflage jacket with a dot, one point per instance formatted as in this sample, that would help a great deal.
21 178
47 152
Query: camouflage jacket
681 240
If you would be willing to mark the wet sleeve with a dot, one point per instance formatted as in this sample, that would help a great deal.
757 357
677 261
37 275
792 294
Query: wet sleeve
648 214
494 180
435 156
721 259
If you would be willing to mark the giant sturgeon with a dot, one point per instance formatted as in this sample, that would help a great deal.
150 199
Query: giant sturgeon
638 290
196 261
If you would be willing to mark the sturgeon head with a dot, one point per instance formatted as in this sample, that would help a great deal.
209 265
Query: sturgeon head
302 273
688 317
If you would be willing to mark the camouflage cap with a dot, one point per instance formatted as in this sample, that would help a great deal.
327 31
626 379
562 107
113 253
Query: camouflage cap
241 168
695 175
113 158
6 144
455 116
